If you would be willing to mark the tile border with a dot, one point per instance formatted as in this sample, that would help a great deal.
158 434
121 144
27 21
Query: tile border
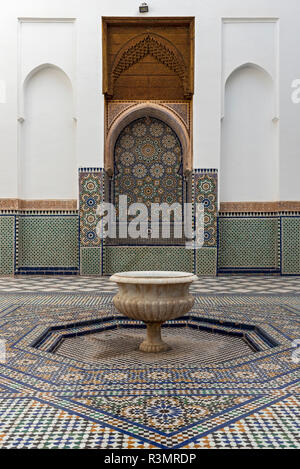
38 204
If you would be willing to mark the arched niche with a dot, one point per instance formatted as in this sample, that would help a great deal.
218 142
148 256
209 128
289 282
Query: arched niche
148 169
144 110
47 149
249 161
43 66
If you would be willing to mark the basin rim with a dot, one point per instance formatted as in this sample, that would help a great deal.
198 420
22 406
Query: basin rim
155 277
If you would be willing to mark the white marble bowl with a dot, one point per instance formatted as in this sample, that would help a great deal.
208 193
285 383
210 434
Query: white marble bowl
153 297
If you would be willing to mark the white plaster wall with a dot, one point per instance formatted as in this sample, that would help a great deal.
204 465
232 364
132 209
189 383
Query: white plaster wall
208 76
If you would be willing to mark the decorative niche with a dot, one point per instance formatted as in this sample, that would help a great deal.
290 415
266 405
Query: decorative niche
151 58
148 70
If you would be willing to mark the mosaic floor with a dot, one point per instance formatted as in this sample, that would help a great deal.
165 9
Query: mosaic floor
64 384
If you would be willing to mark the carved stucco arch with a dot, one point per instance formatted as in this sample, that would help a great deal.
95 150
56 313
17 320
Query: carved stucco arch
149 44
144 110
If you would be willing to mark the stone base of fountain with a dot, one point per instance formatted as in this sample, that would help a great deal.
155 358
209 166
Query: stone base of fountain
153 341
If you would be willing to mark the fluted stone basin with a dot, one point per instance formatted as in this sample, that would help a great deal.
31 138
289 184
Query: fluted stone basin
153 297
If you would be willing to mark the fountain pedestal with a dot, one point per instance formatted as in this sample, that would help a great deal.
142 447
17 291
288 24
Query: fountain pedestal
153 297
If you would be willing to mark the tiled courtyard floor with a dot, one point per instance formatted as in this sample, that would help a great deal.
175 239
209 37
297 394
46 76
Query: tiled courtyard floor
72 377
205 285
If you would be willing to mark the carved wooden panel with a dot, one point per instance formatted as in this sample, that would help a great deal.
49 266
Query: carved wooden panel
148 58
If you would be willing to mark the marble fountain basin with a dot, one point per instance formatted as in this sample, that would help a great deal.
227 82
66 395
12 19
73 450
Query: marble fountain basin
153 297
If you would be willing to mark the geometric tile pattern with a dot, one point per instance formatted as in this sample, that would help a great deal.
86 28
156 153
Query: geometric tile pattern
49 401
45 426
90 261
148 169
47 243
205 186
7 227
248 243
262 429
125 258
206 261
290 229
148 163
91 191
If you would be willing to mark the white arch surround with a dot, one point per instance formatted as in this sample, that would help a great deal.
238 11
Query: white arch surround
248 64
47 136
41 67
257 67
30 75
144 110
249 143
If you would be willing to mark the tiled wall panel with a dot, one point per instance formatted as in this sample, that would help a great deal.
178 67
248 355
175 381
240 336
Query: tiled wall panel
47 244
91 261
248 243
124 258
206 261
290 246
7 229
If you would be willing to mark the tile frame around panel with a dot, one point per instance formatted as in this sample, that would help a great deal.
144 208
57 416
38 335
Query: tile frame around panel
212 173
95 173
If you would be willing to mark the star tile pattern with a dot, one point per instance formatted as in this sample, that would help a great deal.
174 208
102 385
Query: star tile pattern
48 400
91 189
205 185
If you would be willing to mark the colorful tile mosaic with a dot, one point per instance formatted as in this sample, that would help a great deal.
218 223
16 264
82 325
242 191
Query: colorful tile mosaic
262 429
148 163
50 401
47 244
205 191
148 169
290 232
249 244
124 258
7 235
91 191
